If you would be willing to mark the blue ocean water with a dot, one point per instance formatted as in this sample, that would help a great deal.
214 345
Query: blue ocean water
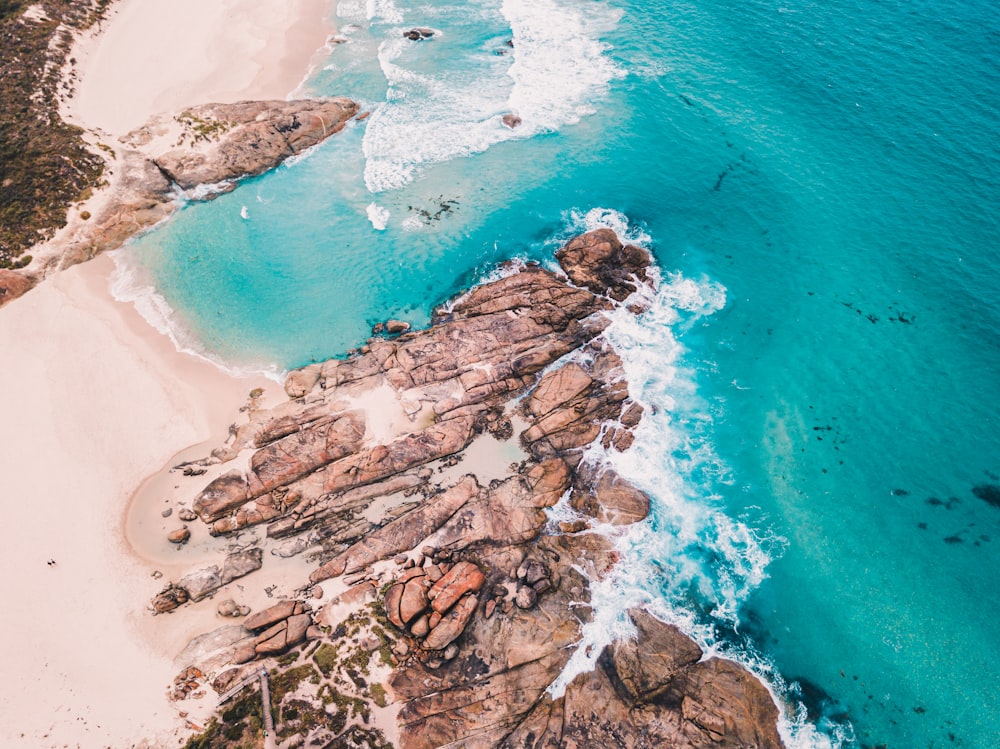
820 184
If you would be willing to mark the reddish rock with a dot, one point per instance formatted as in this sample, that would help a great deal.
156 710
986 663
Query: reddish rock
169 599
463 578
414 599
393 596
420 627
297 628
245 652
272 614
511 120
179 536
224 494
598 261
452 624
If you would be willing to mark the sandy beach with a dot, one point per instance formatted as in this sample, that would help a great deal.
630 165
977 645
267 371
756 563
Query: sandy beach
95 400
163 55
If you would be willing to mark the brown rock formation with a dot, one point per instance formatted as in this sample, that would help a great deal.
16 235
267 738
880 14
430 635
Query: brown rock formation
210 144
484 601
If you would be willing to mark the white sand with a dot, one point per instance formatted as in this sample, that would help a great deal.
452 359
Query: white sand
155 56
94 400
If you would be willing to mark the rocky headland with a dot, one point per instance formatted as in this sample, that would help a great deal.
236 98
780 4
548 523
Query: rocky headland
439 601
194 155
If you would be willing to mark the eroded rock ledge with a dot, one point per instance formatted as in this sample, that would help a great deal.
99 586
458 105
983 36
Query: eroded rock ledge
442 601
212 145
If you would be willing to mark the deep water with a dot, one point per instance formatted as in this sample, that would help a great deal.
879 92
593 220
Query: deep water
820 184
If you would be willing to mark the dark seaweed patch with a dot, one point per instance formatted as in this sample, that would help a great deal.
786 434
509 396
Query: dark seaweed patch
900 493
989 493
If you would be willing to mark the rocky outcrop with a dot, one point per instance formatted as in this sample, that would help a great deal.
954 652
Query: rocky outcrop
203 150
219 142
13 285
478 598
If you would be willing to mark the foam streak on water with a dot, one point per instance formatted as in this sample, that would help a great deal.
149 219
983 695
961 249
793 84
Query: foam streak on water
551 76
689 562
128 284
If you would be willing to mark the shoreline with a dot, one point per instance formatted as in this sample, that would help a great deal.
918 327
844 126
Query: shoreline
109 400
237 50
94 390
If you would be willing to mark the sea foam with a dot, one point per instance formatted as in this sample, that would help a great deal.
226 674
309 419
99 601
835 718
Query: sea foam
554 72
128 284
689 562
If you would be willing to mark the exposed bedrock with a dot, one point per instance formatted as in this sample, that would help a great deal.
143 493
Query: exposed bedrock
481 597
210 145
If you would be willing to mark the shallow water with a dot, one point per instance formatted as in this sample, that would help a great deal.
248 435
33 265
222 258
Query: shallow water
819 184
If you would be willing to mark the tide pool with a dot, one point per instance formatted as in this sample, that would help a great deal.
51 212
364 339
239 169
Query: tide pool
820 184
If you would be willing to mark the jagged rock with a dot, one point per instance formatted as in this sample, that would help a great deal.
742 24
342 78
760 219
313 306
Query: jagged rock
598 261
13 285
463 578
534 571
402 534
170 598
249 137
456 677
395 327
645 665
418 34
452 624
526 597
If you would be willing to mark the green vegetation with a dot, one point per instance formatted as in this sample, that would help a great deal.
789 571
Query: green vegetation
44 163
201 129
240 727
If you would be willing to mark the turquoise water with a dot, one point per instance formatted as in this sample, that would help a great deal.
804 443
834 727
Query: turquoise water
820 183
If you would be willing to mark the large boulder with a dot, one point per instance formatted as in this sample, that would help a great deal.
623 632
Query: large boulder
598 261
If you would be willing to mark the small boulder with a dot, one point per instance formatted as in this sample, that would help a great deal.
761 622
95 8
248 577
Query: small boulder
511 120
414 599
245 653
526 597
229 607
418 34
179 536
463 578
169 599
187 515
394 327
452 625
